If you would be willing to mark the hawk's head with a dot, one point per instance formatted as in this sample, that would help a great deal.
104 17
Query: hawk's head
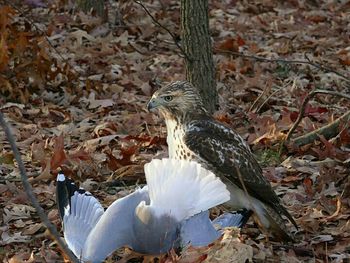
177 99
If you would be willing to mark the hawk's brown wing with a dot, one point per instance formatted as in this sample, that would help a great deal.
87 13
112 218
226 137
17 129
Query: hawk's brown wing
225 151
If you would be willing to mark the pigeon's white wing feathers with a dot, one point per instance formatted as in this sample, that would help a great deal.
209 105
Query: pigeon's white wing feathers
182 188
80 212
77 226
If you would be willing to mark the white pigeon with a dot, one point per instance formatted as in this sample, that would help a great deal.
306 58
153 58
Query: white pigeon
169 212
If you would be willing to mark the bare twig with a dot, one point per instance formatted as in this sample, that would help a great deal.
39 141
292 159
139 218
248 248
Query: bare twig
325 68
328 131
331 92
255 104
267 99
28 189
307 62
258 98
301 114
258 58
165 28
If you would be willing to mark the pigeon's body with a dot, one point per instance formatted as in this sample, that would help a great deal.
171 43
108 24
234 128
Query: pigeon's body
165 214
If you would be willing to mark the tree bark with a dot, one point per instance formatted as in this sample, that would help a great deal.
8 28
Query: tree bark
97 6
197 45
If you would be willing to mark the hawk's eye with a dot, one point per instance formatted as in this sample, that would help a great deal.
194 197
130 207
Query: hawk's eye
168 98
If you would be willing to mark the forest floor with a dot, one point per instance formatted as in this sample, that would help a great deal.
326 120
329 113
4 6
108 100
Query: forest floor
75 88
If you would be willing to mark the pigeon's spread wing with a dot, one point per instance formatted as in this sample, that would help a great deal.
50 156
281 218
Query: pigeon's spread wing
115 228
91 233
79 211
226 153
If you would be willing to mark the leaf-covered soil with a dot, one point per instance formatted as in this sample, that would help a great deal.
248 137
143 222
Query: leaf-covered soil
75 90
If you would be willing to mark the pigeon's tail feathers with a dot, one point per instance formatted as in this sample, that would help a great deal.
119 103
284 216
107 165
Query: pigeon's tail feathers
233 219
183 188
79 211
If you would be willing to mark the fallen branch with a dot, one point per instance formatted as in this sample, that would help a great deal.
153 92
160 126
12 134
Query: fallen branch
328 131
28 189
331 92
287 61
325 68
300 115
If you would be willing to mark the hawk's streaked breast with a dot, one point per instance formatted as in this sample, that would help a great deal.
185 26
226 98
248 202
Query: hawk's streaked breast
175 139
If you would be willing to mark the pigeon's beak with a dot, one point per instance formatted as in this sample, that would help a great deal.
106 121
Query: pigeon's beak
152 104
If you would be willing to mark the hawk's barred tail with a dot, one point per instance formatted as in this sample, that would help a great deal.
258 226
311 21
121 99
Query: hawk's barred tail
277 225
79 212
183 188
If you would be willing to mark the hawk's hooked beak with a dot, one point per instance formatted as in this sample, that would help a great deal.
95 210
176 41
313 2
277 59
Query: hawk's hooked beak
152 104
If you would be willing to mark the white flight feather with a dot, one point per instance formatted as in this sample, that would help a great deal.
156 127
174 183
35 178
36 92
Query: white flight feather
80 220
182 188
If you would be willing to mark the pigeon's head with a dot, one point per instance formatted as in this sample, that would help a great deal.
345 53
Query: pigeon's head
176 99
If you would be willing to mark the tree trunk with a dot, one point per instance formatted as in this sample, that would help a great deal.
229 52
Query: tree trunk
96 6
196 42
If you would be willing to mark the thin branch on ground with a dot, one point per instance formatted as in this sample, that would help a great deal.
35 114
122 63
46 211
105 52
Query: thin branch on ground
258 99
268 98
258 58
331 92
259 107
325 68
300 115
287 61
28 189
176 42
328 131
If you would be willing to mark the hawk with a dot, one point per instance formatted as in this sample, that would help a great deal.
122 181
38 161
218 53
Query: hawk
193 134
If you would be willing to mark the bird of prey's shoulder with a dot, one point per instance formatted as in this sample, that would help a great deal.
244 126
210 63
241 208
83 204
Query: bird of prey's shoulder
193 134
